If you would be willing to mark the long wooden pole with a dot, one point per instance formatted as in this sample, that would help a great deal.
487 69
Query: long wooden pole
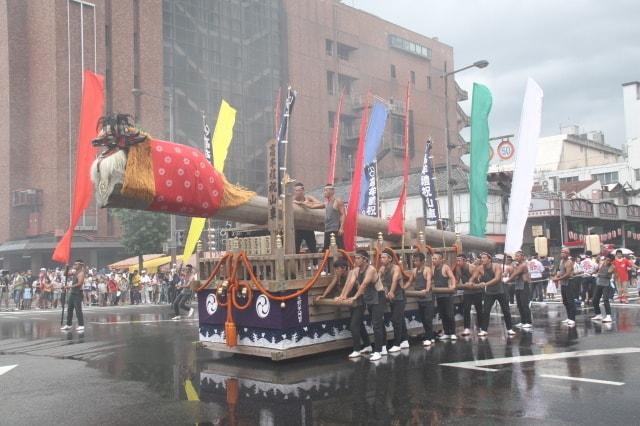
255 211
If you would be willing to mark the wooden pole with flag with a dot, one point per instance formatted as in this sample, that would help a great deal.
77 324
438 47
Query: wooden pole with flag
334 141
397 222
91 109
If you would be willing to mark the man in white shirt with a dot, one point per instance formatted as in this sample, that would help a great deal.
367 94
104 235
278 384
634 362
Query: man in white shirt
538 284
145 282
590 270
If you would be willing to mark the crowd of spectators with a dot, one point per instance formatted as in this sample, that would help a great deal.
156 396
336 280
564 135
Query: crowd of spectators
44 290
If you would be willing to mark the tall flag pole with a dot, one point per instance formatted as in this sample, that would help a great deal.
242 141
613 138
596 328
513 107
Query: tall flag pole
216 148
91 108
373 140
479 163
396 223
334 142
428 192
351 219
276 113
526 153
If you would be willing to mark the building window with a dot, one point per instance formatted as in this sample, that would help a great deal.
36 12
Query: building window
409 46
328 47
345 83
331 83
428 82
606 178
344 51
413 77
637 174
393 71
568 179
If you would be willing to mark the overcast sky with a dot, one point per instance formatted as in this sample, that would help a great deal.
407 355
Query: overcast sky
579 51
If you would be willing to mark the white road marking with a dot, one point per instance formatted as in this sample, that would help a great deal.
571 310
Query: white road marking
474 365
143 322
7 368
582 379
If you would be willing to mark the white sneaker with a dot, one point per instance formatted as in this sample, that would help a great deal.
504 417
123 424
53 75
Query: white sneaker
607 319
511 332
597 318
404 344
426 342
466 332
453 337
190 314
394 348
519 325
566 321
482 333
65 327
571 323
354 354
80 328
366 350
375 356
384 351
443 337
527 326
176 318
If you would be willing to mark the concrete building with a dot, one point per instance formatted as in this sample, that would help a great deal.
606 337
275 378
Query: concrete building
177 59
44 47
333 48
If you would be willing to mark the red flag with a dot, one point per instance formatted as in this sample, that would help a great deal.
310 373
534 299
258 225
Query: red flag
396 223
91 109
351 220
334 142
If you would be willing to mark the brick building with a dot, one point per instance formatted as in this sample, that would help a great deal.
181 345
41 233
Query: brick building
188 56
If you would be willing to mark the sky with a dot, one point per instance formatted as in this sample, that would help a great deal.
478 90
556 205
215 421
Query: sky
579 51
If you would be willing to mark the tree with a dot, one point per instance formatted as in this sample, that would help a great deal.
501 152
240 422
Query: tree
143 232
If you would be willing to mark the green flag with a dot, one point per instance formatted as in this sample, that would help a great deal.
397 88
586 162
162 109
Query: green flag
480 150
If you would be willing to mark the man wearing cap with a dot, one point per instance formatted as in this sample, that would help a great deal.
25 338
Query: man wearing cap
306 235
185 294
520 279
562 278
472 295
333 218
391 278
420 278
371 291
74 300
488 276
345 279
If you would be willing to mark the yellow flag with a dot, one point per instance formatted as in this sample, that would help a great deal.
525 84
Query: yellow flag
222 136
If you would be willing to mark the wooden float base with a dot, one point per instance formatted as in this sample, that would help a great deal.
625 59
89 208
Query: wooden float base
291 353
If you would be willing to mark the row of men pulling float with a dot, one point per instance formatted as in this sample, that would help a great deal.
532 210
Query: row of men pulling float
371 289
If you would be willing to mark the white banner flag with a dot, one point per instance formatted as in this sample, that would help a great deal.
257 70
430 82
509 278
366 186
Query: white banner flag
526 152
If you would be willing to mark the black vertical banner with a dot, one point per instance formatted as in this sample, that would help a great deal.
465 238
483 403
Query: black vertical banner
427 189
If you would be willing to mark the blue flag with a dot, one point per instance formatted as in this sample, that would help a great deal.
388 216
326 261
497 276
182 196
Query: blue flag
373 139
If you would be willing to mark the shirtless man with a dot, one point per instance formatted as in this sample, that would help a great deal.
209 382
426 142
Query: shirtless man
444 287
520 279
306 235
334 215
562 277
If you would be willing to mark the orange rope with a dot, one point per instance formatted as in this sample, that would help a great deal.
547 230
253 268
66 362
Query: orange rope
303 290
347 257
215 271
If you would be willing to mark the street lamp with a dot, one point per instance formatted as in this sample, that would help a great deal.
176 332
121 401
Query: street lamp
172 239
445 75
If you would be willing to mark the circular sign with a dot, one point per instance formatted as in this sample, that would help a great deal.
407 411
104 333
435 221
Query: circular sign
262 306
490 153
211 304
505 149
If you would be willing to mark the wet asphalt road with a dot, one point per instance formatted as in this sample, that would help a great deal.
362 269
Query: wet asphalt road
135 366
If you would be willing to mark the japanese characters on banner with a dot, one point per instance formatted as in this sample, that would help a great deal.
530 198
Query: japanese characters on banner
371 206
427 189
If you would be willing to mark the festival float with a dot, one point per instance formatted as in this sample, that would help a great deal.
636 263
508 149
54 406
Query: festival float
259 298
